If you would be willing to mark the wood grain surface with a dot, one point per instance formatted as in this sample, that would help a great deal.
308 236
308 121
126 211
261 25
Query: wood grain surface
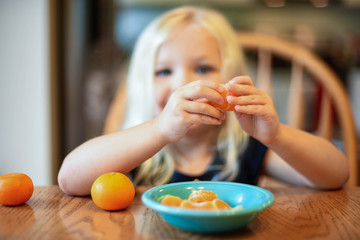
297 213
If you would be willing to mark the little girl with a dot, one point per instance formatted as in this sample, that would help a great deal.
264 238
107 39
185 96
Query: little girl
172 132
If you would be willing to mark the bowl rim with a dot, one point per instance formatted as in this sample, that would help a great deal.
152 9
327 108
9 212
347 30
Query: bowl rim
161 208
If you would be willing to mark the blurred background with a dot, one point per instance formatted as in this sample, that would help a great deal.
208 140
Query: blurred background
62 61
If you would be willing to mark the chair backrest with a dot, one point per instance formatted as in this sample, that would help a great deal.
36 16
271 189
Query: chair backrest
303 63
116 111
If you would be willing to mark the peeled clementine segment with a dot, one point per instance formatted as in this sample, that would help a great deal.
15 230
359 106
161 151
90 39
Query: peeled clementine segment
206 205
226 105
220 204
171 201
215 204
187 204
198 200
202 195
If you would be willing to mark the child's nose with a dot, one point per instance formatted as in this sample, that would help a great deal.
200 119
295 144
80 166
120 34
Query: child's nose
182 78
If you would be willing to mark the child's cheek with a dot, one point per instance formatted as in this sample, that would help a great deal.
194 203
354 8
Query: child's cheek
160 98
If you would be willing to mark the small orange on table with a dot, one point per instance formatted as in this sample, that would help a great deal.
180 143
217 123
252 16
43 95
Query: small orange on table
15 189
112 191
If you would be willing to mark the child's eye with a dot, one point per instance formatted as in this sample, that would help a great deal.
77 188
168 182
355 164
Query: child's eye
204 69
163 72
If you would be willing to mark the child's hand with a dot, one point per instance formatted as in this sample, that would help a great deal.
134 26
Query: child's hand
189 106
254 109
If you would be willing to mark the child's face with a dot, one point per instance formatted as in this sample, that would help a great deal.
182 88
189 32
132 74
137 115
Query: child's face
190 54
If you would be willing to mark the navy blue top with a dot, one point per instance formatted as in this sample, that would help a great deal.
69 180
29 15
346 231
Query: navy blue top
251 163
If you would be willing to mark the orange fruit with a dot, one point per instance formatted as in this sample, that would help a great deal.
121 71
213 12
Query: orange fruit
171 200
198 200
215 204
112 191
15 189
206 205
220 204
202 195
225 106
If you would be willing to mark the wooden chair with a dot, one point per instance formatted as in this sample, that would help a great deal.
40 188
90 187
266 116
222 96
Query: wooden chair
303 61
334 100
116 111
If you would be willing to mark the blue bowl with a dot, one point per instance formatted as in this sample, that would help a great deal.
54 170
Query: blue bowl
252 199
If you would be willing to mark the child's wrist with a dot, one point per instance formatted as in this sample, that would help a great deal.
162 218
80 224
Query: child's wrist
160 131
277 138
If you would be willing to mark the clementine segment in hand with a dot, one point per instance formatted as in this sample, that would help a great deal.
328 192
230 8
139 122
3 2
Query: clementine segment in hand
226 106
15 189
112 191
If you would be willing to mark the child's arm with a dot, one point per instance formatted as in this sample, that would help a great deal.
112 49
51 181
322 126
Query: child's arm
315 158
117 152
323 164
127 149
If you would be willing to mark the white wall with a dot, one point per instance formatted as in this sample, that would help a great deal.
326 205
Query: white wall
24 89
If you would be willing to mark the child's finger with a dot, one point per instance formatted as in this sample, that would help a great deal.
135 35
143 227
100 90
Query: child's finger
240 89
254 99
257 110
203 90
210 84
204 119
200 108
241 85
243 80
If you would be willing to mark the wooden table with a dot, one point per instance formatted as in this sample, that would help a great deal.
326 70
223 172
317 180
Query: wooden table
297 213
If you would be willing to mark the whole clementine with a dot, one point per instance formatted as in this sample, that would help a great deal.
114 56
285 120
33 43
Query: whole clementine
112 191
15 188
225 106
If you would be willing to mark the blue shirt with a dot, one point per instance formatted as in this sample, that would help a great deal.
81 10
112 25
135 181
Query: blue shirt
250 161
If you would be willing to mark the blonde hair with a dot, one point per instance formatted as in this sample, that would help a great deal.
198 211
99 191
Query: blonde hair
231 141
